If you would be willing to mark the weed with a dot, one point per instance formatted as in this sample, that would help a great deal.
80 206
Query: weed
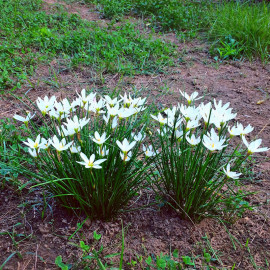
230 48
92 255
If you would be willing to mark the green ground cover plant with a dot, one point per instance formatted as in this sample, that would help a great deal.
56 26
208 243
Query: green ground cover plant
165 14
245 22
30 36
94 257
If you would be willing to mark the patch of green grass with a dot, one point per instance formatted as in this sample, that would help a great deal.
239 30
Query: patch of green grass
162 14
247 23
29 36
10 152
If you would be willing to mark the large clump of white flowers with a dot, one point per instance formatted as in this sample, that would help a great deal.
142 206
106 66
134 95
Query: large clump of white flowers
90 152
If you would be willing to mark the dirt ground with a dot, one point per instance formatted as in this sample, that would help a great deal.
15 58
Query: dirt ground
153 229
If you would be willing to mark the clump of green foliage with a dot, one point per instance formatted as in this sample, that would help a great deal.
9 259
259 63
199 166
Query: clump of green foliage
246 23
163 14
29 36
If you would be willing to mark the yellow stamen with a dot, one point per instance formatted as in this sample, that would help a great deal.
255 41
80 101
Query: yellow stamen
90 164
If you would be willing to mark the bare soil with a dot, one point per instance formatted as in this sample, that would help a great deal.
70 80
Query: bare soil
153 229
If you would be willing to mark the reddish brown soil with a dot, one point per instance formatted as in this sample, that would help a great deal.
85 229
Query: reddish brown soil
151 230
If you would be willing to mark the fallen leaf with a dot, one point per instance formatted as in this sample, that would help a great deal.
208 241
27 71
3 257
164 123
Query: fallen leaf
260 101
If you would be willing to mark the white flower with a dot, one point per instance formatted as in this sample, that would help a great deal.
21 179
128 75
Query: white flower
125 146
193 140
126 112
231 174
99 139
106 118
221 114
224 116
179 134
60 145
65 131
138 102
46 105
205 110
114 122
76 124
253 147
86 98
160 119
45 144
139 137
190 112
126 157
67 107
165 131
75 103
34 144
245 130
59 107
103 151
173 123
113 111
192 124
75 149
234 130
96 107
240 130
148 151
190 98
90 163
26 119
56 114
219 106
111 102
213 142
33 152
127 100
171 112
